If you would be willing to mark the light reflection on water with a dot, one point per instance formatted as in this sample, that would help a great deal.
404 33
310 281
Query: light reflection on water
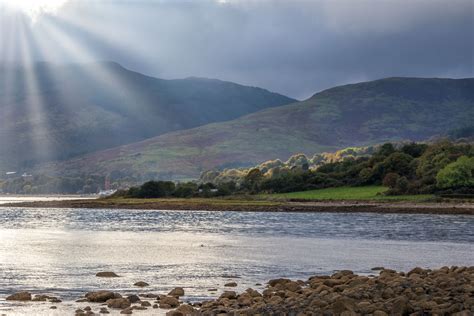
59 251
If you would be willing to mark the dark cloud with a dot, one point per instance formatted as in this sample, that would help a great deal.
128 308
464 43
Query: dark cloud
296 47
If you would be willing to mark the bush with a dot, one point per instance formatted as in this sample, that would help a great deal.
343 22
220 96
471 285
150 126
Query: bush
457 174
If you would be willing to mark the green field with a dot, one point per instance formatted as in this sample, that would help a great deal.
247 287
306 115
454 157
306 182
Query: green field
348 193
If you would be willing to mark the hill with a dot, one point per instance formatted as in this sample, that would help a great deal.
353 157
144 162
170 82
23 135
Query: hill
352 115
50 112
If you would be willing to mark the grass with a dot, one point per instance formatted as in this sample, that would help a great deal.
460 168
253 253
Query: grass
347 193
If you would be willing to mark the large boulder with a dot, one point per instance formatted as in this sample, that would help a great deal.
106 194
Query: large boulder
168 302
100 296
119 303
20 296
178 291
141 284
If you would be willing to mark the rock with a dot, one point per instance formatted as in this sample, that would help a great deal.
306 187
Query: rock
20 296
178 291
274 282
145 304
343 304
100 296
149 295
416 270
118 303
87 308
186 309
166 301
228 294
82 300
212 290
230 284
53 307
127 311
377 268
253 293
155 306
106 274
400 306
133 298
104 310
140 308
141 284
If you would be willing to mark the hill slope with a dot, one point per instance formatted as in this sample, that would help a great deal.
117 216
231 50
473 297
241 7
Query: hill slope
351 115
56 112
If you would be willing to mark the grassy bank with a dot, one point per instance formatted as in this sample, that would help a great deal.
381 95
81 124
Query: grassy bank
368 193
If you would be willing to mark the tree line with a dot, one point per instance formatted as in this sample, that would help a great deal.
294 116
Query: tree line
443 167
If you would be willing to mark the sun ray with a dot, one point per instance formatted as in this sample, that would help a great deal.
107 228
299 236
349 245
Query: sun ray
34 101
102 75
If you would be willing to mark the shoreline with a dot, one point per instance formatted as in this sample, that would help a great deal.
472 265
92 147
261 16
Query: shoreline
222 205
443 291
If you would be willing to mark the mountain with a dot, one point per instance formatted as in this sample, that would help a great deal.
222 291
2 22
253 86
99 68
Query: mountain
52 112
351 115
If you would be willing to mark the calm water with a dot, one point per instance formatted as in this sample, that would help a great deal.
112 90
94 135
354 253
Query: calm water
59 251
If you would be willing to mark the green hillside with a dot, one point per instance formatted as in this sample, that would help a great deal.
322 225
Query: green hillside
352 115
58 112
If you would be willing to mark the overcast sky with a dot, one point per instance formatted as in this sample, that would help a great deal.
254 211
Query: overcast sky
295 47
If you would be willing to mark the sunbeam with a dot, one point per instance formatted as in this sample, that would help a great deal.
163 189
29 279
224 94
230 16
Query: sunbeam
34 100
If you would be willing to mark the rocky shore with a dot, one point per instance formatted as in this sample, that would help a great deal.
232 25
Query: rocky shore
448 208
444 291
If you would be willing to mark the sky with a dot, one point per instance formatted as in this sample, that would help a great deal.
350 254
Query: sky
294 47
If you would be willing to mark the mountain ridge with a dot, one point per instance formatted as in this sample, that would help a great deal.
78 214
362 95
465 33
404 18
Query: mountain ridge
52 112
362 114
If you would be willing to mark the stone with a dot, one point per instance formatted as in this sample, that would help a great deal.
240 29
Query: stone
400 306
229 295
53 307
133 298
230 284
127 311
20 296
141 284
145 304
118 303
100 296
274 282
166 301
106 274
343 304
178 291
186 309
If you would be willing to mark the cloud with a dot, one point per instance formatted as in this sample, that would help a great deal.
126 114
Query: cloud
294 47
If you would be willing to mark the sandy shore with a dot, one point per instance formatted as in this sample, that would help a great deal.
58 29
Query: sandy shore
451 208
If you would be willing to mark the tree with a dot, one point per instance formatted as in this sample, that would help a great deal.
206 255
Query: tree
156 189
399 163
402 185
253 179
457 174
390 180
